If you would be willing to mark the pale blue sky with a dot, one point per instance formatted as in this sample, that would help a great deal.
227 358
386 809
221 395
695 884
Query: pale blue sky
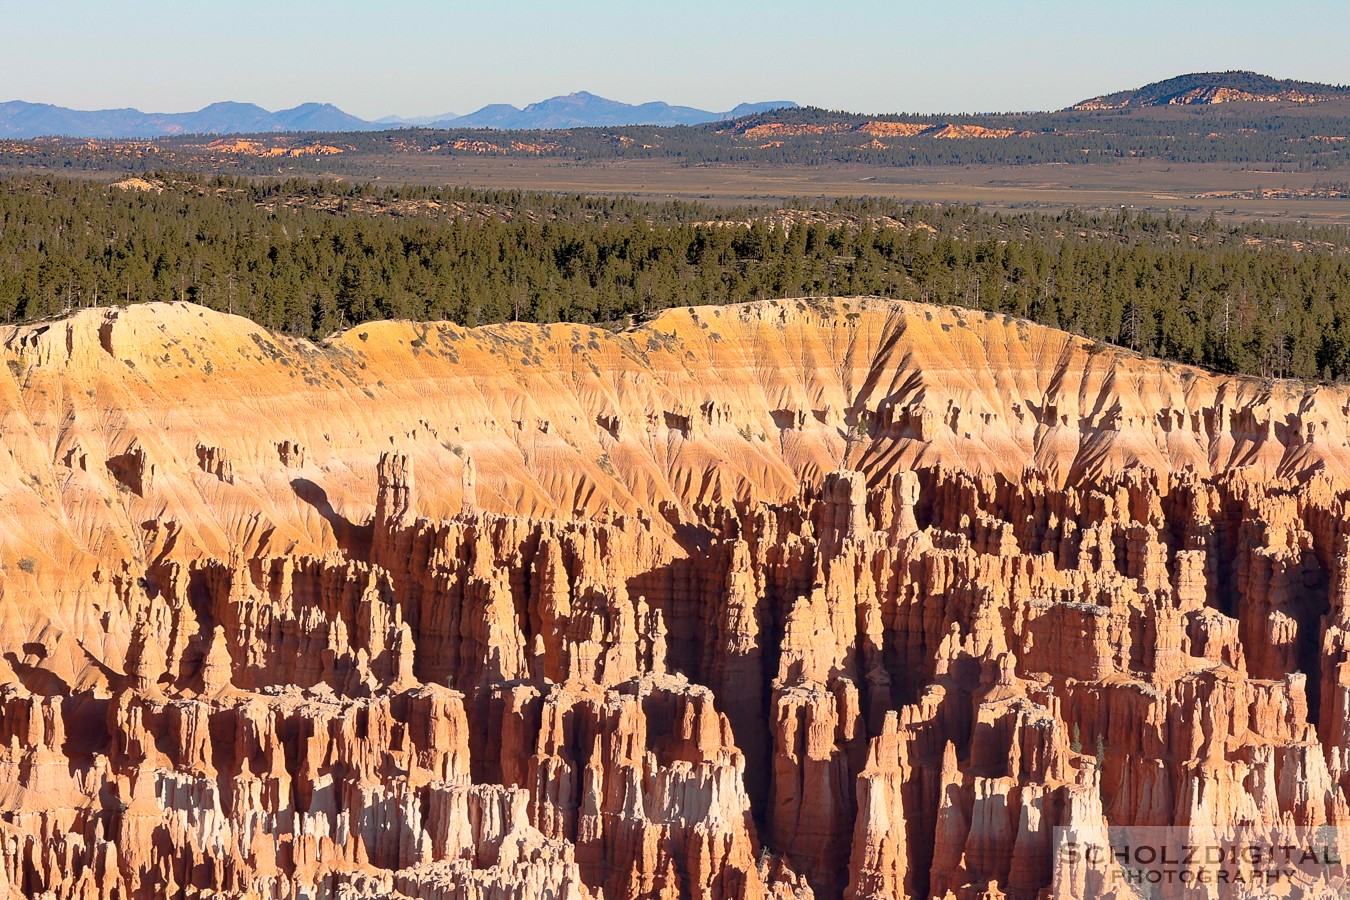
416 57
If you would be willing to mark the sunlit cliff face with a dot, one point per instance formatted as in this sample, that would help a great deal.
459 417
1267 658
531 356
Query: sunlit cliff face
800 598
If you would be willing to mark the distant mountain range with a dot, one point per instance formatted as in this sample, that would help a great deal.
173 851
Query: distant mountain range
20 120
412 121
28 120
582 109
1217 87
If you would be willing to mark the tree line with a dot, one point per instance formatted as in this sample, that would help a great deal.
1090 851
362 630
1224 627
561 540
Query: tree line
309 258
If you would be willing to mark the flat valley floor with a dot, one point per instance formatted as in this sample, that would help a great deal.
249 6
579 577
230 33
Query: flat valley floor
1141 185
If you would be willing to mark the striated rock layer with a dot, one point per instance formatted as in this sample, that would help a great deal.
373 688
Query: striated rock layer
807 598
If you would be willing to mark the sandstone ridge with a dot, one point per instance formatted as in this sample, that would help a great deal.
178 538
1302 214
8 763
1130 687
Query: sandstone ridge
834 598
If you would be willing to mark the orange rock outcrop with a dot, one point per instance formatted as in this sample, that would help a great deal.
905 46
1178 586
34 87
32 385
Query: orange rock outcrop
807 598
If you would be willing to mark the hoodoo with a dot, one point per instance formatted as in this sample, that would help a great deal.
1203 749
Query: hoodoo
835 598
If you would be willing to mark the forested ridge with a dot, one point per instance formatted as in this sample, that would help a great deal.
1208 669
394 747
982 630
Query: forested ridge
309 258
1283 137
1254 83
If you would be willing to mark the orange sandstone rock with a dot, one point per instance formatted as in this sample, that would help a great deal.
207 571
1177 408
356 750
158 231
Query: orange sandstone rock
520 611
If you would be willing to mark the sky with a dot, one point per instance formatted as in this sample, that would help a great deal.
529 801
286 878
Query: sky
415 57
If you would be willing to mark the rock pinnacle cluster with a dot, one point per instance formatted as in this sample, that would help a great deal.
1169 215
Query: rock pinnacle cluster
831 598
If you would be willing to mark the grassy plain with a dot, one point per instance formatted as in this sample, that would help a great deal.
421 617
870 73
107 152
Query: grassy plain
1138 184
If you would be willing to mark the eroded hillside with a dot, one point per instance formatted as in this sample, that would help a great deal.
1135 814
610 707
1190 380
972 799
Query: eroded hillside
800 598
